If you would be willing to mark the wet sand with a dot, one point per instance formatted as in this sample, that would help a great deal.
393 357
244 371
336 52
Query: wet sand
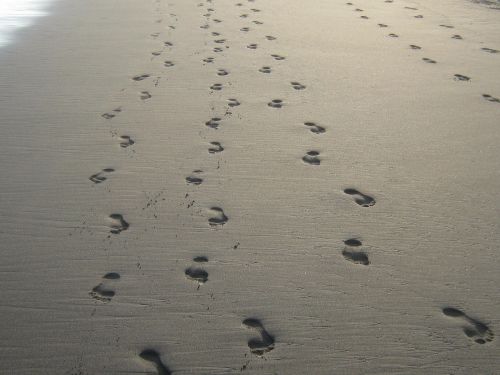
266 187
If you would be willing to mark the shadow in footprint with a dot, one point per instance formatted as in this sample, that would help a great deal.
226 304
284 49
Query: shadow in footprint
126 141
312 158
140 77
101 176
490 50
100 292
275 103
297 85
352 255
266 342
194 178
490 98
233 102
117 223
360 198
429 61
479 332
145 95
215 148
216 87
153 357
217 217
459 77
314 128
265 69
110 115
213 123
196 274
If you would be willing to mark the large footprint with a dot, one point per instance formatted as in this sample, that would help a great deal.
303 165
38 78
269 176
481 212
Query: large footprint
474 329
100 292
352 255
152 356
218 217
360 198
266 342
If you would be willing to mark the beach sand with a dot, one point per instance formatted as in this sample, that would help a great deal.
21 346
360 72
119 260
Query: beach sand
265 187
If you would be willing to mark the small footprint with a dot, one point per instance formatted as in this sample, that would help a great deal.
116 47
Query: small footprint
215 148
265 69
200 259
217 21
358 257
456 36
194 178
222 72
427 60
153 357
266 342
126 141
243 15
419 16
491 98
270 37
411 8
275 103
447 26
364 17
218 217
245 29
314 128
312 158
358 10
216 87
213 123
117 223
479 332
220 41
392 35
140 77
110 115
252 46
217 49
168 63
196 274
100 177
297 86
459 77
382 25
168 44
278 57
145 95
490 50
414 46
209 60
258 22
233 102
100 292
360 198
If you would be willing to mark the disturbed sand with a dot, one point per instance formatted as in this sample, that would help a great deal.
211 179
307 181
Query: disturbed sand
259 187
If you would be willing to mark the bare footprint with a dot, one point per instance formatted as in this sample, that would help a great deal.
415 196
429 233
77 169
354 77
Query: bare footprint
447 26
360 198
140 77
252 46
314 128
196 274
382 25
265 69
168 63
479 332
490 98
100 292
215 148
312 158
429 61
126 141
275 103
216 87
208 60
270 37
460 77
213 123
259 346
145 95
110 115
233 102
101 176
392 35
217 217
456 36
194 178
153 357
117 223
222 72
297 85
352 255
490 50
278 57
414 46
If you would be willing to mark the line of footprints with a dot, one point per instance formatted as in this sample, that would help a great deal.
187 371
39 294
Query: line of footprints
456 77
263 341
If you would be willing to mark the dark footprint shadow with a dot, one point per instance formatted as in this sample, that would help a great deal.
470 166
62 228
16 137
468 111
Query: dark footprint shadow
278 57
297 86
429 61
479 332
101 176
215 148
314 128
110 115
266 342
218 217
117 223
233 102
126 141
145 95
252 46
490 98
460 77
414 46
100 292
197 274
213 123
194 178
312 158
490 50
222 72
216 87
352 255
168 63
275 103
140 77
360 198
153 357
265 69
456 36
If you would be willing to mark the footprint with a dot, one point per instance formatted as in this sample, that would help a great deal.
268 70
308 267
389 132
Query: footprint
314 128
140 77
392 35
217 21
100 177
479 332
168 63
117 223
278 57
414 46
364 17
411 8
447 26
156 53
297 86
208 60
220 41
215 148
193 179
233 102
213 123
255 10
243 15
252 46
218 217
145 95
459 77
222 72
217 49
126 141
456 36
360 198
200 259
491 98
196 274
312 157
427 60
490 50
258 22
382 25
152 356
265 69
270 37
215 33
419 16
110 115
358 257
216 87
204 26
168 44
100 292
275 103
358 10
259 346
245 29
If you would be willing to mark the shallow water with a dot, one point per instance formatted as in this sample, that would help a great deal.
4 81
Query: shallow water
16 14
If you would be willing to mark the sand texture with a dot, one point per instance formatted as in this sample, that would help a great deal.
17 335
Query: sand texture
272 187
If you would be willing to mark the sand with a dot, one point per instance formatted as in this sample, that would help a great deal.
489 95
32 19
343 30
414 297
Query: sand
352 228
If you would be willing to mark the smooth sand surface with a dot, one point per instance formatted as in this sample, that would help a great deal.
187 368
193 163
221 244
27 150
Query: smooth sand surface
363 242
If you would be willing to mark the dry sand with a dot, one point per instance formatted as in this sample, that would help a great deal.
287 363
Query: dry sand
98 275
